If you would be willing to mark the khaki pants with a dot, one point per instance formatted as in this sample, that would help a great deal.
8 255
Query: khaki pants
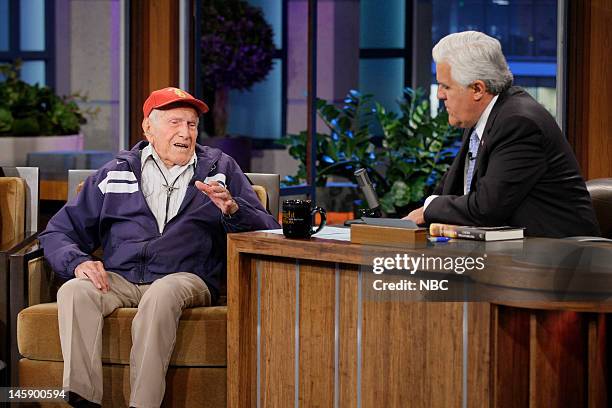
81 311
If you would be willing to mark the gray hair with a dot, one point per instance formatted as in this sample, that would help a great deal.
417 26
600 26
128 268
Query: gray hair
473 56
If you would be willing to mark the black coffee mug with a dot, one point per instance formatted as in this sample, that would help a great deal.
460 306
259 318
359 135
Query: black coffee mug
298 218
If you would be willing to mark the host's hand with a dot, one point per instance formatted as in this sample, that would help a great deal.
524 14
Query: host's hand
219 195
417 216
95 272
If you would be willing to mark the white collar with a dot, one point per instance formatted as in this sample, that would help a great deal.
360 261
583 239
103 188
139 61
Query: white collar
482 122
149 151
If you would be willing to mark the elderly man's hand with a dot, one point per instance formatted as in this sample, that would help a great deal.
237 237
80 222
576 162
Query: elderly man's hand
219 195
95 272
416 215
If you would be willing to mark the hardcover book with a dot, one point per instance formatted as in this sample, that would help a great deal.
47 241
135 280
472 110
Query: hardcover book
476 233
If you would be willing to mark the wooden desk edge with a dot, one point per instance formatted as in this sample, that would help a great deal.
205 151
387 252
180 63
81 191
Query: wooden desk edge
267 244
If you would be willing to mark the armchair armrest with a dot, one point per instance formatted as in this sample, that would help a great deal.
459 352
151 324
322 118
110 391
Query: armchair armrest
31 278
17 244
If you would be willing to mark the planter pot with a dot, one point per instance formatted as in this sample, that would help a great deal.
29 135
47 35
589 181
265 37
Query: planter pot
14 149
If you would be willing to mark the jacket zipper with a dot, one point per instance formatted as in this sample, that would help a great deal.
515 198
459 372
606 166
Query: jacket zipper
143 260
169 191
143 255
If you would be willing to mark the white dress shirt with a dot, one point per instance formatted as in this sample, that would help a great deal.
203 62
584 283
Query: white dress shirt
164 188
479 128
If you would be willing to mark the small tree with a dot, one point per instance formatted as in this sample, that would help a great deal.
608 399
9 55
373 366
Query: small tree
237 50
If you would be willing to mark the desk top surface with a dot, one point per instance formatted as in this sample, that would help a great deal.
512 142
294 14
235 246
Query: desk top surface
518 273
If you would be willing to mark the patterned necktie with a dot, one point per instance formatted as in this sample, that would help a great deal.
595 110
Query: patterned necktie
474 142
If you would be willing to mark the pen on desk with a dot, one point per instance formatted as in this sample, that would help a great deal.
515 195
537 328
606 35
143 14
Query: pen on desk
439 239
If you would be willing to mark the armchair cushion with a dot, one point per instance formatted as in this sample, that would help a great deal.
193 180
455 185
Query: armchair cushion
200 342
186 387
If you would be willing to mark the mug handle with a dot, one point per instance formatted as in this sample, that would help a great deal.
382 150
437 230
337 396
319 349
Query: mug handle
323 218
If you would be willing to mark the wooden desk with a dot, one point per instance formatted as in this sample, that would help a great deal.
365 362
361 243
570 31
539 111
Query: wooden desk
301 327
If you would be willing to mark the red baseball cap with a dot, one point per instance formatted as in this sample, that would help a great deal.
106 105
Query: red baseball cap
167 96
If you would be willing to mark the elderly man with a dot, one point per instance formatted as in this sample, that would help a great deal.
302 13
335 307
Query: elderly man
161 212
514 167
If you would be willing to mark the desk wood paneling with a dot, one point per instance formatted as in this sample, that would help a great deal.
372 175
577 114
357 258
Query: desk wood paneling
277 315
324 343
510 351
317 292
598 380
349 312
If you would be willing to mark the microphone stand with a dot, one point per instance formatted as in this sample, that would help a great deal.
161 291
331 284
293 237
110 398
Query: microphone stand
367 189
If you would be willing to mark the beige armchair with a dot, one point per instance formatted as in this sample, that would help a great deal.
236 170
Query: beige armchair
18 219
197 373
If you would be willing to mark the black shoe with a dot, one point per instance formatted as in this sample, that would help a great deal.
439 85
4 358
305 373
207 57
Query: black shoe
76 400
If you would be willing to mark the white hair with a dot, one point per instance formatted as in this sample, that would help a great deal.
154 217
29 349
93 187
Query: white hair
473 56
154 116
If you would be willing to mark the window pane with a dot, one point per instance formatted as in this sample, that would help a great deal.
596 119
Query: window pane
471 15
273 13
384 78
521 30
257 113
4 25
32 25
93 53
382 23
546 29
526 29
33 72
498 23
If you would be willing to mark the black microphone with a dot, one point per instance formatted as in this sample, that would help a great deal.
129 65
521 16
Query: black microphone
471 157
368 191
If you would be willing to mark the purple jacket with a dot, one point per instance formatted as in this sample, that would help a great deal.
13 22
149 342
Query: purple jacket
111 211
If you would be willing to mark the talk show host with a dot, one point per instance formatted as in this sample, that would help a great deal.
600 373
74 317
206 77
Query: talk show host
514 167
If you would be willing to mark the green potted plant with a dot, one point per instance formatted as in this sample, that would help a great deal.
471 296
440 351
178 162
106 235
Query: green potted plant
416 150
346 147
34 118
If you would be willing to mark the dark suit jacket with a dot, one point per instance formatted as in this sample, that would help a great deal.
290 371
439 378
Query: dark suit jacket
526 175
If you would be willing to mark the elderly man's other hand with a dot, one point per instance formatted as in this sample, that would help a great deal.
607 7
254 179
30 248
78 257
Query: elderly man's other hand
416 215
95 272
219 195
